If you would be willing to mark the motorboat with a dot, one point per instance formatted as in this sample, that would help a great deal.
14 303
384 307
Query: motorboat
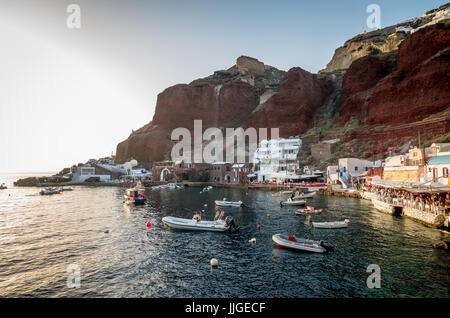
286 192
301 244
50 191
302 195
197 224
3 186
331 225
135 196
205 189
225 203
291 202
308 211
67 189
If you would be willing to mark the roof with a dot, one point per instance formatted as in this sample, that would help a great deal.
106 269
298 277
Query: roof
439 160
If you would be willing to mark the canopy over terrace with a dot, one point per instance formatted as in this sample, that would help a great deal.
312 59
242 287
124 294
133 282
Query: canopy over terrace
413 187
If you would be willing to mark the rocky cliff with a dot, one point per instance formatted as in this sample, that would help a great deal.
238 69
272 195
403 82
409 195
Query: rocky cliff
392 78
224 100
383 40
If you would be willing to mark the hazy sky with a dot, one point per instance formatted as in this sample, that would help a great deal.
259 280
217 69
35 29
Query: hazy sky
68 95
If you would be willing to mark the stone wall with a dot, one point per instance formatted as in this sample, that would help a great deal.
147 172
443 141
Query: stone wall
321 152
436 220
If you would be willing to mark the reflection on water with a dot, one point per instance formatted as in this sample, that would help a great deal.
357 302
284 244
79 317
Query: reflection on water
41 235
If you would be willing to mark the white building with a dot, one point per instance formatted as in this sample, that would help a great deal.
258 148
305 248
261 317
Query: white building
83 173
348 168
437 169
277 159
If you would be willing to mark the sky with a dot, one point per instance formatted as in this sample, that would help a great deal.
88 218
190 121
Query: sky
69 95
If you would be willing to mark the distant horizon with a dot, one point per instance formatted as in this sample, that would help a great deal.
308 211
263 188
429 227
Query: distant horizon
69 95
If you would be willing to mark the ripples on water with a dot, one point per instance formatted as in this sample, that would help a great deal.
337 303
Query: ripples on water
41 235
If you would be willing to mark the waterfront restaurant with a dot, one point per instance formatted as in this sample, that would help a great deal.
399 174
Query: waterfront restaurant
424 203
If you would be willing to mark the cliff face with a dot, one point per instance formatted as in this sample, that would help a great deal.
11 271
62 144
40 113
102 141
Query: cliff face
397 86
300 95
420 85
224 99
383 40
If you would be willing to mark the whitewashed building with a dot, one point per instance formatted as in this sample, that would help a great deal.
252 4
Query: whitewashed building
276 159
437 169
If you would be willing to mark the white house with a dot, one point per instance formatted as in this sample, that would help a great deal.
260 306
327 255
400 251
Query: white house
437 169
277 158
83 173
352 167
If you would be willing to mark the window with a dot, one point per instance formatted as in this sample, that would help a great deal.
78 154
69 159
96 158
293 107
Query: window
445 172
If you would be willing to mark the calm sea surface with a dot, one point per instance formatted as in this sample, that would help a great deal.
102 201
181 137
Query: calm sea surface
40 236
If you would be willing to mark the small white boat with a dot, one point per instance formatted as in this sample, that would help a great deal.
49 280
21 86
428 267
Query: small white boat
286 192
331 225
197 224
228 203
299 196
301 244
291 202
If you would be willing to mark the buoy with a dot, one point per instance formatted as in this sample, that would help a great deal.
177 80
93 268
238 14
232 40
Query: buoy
268 215
253 240
149 225
259 227
214 262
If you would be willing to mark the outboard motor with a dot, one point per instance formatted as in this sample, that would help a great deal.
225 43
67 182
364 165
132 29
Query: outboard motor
230 221
326 245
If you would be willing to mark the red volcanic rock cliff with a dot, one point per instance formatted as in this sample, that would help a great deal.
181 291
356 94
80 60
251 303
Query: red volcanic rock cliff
358 84
291 109
223 100
401 87
420 85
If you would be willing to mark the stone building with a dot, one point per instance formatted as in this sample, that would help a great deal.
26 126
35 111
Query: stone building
221 172
239 173
321 151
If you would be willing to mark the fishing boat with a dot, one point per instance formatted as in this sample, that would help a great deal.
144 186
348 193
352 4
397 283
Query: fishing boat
135 196
197 224
308 211
50 191
291 202
301 244
331 225
225 203
299 196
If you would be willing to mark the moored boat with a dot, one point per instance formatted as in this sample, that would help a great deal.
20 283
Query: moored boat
135 196
331 225
3 186
197 224
302 195
225 203
291 202
308 211
301 244
50 191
